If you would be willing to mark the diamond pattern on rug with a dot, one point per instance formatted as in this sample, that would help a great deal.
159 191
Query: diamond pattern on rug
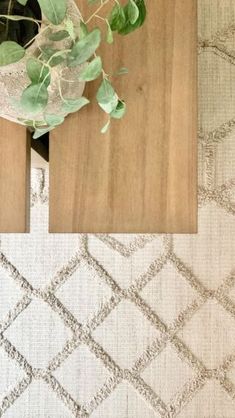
220 327
159 374
81 367
38 327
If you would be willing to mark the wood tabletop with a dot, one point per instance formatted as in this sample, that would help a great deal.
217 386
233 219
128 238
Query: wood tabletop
142 175
14 177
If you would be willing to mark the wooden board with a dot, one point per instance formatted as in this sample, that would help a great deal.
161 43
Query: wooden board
14 177
141 176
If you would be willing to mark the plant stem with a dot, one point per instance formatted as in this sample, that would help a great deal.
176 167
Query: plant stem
60 92
103 3
33 39
17 17
9 11
58 54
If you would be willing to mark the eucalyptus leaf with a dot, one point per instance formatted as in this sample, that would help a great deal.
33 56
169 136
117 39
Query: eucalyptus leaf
120 110
133 11
52 55
106 97
58 36
53 120
54 10
92 70
109 36
84 48
122 71
32 123
129 26
34 98
105 127
22 2
69 26
74 105
83 30
40 132
37 72
10 52
117 18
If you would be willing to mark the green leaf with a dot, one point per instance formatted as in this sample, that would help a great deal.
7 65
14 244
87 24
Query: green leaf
55 56
74 105
109 36
37 72
69 26
121 71
92 70
83 30
22 2
117 18
10 52
84 48
129 27
54 10
133 11
32 123
40 132
59 36
106 97
34 98
105 127
120 110
53 120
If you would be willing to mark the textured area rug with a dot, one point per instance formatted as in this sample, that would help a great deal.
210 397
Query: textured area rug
123 326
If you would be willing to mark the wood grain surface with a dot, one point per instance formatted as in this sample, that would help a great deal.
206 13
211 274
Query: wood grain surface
14 177
142 175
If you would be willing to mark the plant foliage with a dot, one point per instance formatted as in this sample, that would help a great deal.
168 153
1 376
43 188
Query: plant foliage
83 40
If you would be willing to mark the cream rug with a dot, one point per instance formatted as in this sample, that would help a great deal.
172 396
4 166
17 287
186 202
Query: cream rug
132 326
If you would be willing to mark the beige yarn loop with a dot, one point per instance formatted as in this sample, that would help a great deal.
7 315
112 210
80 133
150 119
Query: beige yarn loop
14 79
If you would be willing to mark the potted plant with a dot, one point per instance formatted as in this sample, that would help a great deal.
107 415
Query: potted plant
47 54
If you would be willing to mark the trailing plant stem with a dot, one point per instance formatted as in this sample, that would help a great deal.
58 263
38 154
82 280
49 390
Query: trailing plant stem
103 3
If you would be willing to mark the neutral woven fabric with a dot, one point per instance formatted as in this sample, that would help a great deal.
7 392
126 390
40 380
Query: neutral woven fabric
132 326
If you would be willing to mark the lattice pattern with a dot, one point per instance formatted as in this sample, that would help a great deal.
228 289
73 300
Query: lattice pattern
174 296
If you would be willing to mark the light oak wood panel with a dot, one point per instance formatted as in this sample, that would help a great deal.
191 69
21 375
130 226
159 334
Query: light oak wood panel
14 177
141 176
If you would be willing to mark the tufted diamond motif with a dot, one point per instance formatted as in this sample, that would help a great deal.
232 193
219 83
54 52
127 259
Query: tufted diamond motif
80 367
158 374
220 326
38 326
